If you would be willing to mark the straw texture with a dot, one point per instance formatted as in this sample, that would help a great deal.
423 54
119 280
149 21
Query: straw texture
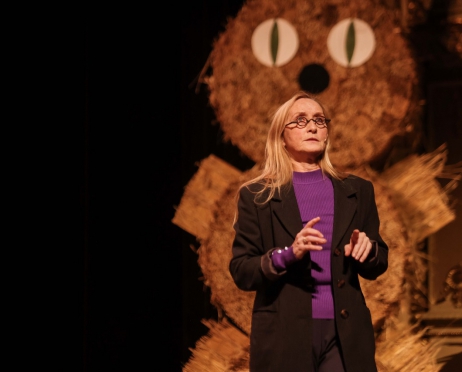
370 106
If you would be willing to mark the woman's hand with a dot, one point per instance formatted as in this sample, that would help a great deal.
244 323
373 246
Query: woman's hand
359 247
308 239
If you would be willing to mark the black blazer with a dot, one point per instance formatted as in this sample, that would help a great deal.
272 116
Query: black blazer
281 333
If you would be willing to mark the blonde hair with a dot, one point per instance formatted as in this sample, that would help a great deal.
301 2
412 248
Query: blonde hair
277 168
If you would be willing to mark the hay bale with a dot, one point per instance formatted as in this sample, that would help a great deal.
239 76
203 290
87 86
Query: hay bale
215 254
223 349
404 348
416 192
195 211
369 105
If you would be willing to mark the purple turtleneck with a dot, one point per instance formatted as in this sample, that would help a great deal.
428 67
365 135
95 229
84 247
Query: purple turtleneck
315 198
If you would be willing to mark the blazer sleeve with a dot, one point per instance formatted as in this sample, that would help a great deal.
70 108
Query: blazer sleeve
378 264
250 265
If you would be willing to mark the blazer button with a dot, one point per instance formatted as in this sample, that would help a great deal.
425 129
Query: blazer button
344 313
337 252
340 283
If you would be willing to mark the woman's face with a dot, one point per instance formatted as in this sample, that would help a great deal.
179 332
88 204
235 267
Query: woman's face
305 144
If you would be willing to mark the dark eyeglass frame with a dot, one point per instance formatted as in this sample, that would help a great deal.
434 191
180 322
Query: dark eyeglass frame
302 122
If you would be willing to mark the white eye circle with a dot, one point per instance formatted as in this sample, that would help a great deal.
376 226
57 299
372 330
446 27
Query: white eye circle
274 42
351 42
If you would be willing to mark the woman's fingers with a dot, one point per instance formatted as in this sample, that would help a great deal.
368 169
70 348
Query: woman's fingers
359 246
308 239
308 231
312 242
312 222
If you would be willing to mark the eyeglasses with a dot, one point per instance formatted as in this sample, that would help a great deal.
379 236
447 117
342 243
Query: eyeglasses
301 122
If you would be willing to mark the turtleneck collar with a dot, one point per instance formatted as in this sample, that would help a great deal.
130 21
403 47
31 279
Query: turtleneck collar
308 177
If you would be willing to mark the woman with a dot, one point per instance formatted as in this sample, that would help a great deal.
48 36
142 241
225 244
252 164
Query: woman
303 234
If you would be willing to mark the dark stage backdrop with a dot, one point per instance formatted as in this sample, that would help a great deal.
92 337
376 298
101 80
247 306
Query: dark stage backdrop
145 129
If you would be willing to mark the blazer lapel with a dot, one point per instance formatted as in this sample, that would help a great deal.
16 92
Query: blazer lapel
286 210
345 205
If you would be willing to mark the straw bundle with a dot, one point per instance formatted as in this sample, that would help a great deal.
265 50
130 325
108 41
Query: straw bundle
214 256
405 348
418 194
223 349
195 211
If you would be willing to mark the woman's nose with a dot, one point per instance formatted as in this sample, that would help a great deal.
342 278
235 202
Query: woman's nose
311 127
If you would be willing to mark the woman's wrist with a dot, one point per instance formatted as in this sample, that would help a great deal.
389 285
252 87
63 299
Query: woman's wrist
283 257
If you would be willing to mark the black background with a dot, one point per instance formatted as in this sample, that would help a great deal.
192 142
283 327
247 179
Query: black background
145 128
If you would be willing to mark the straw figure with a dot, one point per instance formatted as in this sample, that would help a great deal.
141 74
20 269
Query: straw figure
369 82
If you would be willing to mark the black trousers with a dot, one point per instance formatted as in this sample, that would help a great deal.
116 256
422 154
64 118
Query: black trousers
326 352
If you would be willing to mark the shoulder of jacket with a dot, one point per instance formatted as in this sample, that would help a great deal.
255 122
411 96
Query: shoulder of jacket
352 184
356 179
252 188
